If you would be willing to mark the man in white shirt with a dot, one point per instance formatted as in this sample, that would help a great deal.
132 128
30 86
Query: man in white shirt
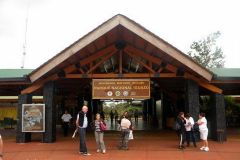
66 118
189 130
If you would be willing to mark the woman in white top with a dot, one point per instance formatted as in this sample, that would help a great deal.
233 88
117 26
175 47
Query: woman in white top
202 122
189 130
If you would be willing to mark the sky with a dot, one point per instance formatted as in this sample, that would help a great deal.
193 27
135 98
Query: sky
53 25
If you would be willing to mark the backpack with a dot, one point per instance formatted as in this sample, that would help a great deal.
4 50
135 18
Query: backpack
177 126
196 127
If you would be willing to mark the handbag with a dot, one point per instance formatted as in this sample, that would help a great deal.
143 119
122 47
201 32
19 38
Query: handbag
130 135
195 127
103 127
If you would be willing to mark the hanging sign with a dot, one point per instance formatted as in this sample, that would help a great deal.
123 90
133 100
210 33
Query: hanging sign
121 89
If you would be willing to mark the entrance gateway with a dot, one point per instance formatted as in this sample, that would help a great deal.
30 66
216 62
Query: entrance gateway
120 60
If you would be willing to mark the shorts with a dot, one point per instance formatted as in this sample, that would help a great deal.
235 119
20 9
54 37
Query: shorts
203 134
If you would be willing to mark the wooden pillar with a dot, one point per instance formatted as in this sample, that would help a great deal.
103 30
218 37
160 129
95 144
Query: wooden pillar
192 99
49 135
22 137
218 117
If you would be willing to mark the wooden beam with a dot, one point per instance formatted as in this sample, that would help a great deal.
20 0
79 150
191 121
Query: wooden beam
160 69
225 81
150 64
143 64
125 75
39 84
206 85
81 70
138 52
97 55
120 61
91 58
101 61
156 60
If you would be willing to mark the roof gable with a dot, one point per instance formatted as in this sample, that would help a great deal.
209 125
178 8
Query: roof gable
131 26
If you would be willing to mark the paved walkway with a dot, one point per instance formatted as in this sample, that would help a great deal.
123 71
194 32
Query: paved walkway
157 145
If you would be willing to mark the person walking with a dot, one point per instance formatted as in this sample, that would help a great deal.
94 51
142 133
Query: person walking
125 126
82 123
136 115
111 116
202 122
66 118
99 134
116 117
189 130
180 121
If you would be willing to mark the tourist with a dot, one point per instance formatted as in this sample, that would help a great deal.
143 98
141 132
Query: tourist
136 116
180 121
82 123
116 117
111 116
202 122
66 117
189 130
99 133
125 126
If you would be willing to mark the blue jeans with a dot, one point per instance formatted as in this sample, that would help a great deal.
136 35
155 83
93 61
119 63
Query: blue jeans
82 133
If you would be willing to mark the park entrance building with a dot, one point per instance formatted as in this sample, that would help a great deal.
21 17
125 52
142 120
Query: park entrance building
119 49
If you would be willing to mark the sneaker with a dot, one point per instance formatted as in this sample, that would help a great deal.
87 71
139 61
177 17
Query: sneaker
104 151
202 148
86 154
98 150
206 149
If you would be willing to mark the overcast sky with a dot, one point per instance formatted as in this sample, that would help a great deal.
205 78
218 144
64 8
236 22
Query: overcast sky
55 24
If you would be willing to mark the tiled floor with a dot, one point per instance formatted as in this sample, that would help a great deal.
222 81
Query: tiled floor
147 145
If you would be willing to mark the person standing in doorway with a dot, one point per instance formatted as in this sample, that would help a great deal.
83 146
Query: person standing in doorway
202 122
136 116
116 117
111 116
82 123
189 130
99 133
66 118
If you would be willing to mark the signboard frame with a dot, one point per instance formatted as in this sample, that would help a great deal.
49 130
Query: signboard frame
33 116
121 88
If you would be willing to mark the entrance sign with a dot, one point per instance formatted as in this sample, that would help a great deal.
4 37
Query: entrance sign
33 118
120 88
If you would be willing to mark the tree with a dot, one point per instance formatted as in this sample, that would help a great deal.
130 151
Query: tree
207 53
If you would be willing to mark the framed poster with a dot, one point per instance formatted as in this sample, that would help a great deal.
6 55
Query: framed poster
33 118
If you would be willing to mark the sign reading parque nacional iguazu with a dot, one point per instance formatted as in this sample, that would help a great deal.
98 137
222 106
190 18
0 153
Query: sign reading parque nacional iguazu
120 88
